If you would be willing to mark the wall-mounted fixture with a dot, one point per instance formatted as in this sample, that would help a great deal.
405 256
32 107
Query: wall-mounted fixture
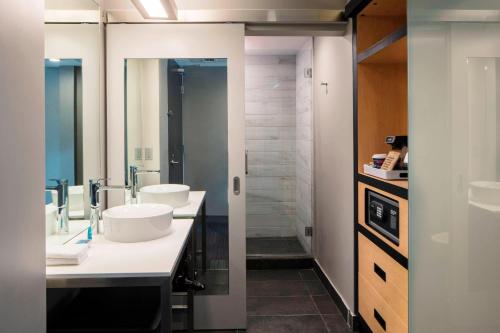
157 9
325 84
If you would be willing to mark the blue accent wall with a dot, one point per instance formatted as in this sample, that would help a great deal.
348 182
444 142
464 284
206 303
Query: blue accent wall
59 125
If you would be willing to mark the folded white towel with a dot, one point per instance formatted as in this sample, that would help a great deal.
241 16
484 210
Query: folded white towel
67 261
66 251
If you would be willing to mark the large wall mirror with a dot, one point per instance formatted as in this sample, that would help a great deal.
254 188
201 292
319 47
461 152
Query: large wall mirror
74 122
176 113
63 144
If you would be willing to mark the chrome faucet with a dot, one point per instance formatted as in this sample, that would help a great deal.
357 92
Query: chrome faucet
95 188
134 181
62 204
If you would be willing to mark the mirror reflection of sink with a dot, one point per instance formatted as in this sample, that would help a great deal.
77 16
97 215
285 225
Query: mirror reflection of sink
75 199
50 219
175 195
485 193
137 223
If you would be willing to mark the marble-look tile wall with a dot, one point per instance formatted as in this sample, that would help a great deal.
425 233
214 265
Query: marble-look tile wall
304 144
271 143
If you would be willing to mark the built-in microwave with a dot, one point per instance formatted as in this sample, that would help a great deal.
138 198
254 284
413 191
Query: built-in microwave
382 214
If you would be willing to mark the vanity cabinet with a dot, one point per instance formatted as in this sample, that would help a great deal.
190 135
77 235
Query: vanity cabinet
380 110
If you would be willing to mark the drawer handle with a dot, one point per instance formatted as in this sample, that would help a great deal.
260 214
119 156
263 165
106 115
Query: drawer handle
379 271
379 319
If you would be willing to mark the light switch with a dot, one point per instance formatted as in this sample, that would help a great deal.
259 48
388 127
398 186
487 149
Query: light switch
138 154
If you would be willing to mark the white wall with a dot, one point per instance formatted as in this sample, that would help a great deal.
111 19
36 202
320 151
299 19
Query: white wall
333 163
143 114
22 170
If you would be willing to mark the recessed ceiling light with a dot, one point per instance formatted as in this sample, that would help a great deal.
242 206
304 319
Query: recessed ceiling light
54 60
157 9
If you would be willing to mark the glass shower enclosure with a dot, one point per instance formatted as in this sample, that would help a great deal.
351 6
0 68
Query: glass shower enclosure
278 113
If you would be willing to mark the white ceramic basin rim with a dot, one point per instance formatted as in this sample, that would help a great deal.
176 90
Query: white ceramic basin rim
175 195
485 192
137 223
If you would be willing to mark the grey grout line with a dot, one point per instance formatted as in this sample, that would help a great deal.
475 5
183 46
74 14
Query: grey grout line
322 319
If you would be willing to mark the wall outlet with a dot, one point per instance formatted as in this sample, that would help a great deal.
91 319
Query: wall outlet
148 154
138 154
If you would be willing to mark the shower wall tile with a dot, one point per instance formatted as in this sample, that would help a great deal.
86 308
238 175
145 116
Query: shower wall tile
281 120
270 145
270 133
304 145
271 139
271 158
285 183
271 208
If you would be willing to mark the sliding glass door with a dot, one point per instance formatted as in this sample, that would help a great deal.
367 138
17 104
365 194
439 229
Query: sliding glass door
454 76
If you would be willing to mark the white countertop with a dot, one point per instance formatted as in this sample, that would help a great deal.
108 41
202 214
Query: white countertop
157 258
193 207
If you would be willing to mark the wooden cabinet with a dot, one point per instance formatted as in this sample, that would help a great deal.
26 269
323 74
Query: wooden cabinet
387 278
380 110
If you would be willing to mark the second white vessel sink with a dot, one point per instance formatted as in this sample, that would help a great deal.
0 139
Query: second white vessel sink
485 192
137 223
175 195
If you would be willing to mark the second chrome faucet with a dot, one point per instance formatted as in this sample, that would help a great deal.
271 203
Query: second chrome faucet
95 188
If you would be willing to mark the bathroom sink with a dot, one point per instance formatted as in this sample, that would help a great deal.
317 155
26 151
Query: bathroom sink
175 195
137 223
485 193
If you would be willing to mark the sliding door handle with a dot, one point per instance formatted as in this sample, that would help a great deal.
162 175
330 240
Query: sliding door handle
236 185
246 161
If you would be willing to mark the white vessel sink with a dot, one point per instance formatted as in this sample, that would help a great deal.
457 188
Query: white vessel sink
137 223
485 193
175 195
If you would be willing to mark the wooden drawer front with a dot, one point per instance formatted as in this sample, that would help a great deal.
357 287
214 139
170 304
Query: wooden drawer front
385 275
403 218
376 312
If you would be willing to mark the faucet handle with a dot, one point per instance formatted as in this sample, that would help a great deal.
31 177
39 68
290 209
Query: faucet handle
98 180
59 181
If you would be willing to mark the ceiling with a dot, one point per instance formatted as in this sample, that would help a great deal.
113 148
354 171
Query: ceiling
306 17
235 10
274 45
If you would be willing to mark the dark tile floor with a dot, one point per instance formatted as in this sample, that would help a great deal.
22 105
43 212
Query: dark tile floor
290 301
275 246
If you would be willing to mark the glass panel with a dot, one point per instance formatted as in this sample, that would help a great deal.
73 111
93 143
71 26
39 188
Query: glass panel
278 108
454 79
177 133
